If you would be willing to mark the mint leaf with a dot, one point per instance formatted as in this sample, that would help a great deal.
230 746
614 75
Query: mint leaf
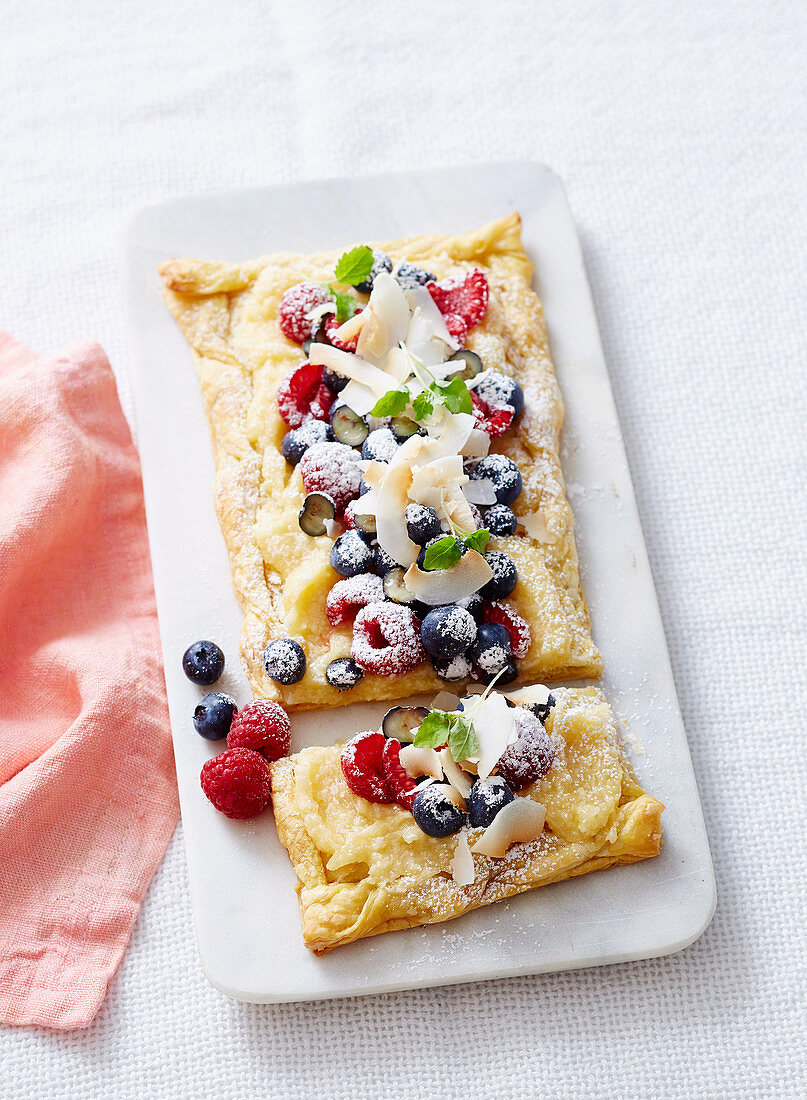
442 554
354 266
477 540
455 395
392 403
462 740
346 305
423 405
434 730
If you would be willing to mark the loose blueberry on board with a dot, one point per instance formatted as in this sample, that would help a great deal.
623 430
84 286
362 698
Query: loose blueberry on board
214 715
422 523
284 661
447 632
381 262
491 649
343 673
203 662
504 579
316 510
296 442
505 675
410 276
394 587
379 446
402 427
458 668
498 389
487 797
351 555
503 473
402 722
382 562
473 605
435 813
500 521
468 365
348 426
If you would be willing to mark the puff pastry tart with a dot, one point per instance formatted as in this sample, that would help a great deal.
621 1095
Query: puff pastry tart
386 425
553 797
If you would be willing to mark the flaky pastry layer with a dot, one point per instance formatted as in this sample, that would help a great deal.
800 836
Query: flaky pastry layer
228 313
363 869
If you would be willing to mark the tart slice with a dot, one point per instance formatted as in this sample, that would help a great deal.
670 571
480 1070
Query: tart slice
385 835
386 429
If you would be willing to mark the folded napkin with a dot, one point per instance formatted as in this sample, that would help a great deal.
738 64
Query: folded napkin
88 796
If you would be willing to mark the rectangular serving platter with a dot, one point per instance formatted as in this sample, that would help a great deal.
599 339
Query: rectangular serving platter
242 885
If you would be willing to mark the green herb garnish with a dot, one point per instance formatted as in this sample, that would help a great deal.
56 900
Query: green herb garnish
392 403
446 552
354 266
346 304
456 730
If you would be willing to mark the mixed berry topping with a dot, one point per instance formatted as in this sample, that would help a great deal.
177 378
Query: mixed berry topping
504 579
213 716
532 754
381 262
500 521
386 639
351 555
302 396
351 594
462 302
343 673
296 442
436 812
498 391
284 661
363 768
503 474
332 468
409 276
296 307
402 788
487 797
447 632
203 662
508 617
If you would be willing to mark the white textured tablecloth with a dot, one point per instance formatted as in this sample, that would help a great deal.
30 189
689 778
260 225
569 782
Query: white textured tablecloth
680 132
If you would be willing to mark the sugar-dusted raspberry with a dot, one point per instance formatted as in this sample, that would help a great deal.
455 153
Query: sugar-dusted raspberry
466 298
331 325
238 782
332 468
363 769
492 420
263 726
530 756
295 307
350 594
386 639
456 326
302 395
400 785
495 611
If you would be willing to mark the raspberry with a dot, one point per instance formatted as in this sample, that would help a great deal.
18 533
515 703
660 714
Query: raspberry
386 639
456 326
302 395
347 596
296 305
465 298
331 325
263 726
495 421
530 756
400 785
517 628
362 767
238 782
332 468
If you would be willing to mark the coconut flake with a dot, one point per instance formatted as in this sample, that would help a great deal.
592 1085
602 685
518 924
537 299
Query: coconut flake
519 821
462 863
533 693
351 366
444 586
480 492
495 727
350 328
387 319
535 526
391 501
444 700
420 299
417 760
358 397
454 774
477 444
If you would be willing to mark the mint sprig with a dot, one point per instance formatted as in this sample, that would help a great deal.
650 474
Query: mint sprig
456 730
354 266
392 403
454 395
446 552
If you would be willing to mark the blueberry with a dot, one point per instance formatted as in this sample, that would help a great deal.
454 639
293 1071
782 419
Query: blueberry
214 715
363 487
203 662
409 276
504 579
498 389
379 446
381 262
504 475
435 813
505 675
296 442
500 521
458 668
343 673
492 648
351 555
472 604
395 587
382 562
402 427
487 797
348 427
468 365
284 661
317 509
403 722
422 523
447 631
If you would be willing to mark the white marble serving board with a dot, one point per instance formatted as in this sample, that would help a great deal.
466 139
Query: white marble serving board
242 885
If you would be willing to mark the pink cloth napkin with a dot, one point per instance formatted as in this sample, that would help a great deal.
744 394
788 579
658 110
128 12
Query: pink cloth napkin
88 796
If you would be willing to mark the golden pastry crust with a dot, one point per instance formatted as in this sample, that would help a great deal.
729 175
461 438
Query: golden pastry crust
364 869
228 313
